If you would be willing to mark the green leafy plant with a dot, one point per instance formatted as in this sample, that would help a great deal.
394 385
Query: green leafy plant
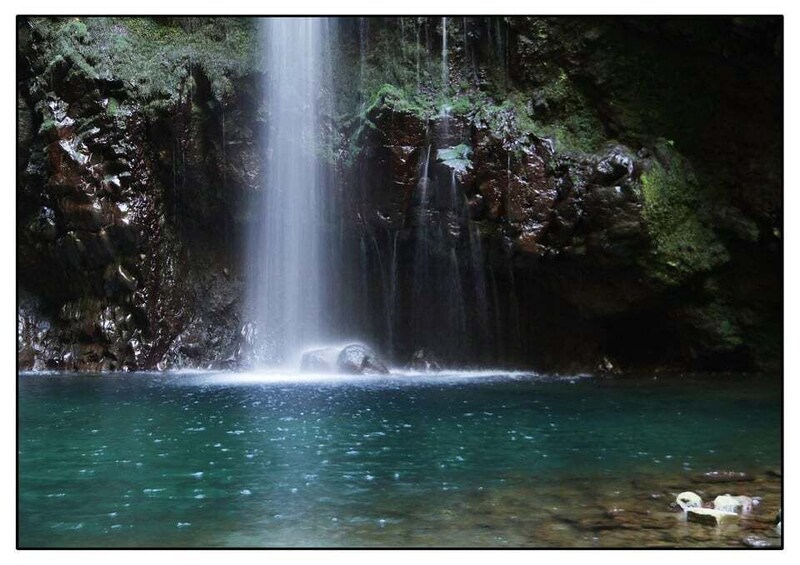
457 158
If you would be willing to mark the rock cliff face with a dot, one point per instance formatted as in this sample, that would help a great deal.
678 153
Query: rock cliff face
622 178
126 241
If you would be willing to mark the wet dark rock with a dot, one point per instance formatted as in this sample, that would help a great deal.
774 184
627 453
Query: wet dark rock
43 225
607 366
614 166
424 360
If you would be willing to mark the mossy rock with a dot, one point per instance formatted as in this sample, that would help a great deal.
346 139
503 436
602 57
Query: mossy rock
675 210
151 57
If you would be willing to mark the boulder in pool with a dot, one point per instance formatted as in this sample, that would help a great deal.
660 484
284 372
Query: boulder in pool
358 359
710 517
736 504
352 359
689 499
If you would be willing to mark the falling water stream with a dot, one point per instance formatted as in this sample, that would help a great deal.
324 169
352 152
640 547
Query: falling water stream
286 286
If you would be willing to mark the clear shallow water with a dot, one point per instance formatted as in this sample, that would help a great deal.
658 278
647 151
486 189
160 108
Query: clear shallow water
268 460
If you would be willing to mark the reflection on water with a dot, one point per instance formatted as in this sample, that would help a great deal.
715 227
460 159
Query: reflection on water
446 460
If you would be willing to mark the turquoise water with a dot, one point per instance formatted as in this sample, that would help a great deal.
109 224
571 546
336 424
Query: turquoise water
241 460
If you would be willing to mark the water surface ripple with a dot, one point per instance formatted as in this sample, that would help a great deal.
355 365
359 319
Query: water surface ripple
228 459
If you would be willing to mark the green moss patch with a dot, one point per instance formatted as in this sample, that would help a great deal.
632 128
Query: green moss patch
683 242
151 57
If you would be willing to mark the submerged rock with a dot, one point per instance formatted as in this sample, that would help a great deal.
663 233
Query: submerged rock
723 477
710 517
757 542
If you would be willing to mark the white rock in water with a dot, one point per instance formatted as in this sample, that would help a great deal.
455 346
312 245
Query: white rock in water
710 517
688 500
737 504
779 529
747 503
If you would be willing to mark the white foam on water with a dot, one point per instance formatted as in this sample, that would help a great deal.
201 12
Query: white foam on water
398 377
394 377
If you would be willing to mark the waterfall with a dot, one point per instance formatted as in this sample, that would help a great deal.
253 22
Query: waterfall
287 262
315 274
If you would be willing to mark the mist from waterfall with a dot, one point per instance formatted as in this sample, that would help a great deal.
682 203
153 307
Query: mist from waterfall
286 294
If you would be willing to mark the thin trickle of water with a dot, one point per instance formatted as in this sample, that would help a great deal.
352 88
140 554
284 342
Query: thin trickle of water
445 71
285 294
498 322
226 229
421 274
403 39
481 299
513 307
224 158
362 56
383 275
457 314
508 182
427 165
448 266
427 48
416 49
364 280
466 47
453 189
392 295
